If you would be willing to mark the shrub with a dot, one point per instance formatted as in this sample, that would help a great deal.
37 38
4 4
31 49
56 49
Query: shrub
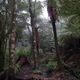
52 64
24 52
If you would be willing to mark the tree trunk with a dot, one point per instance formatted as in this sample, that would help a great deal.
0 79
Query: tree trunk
37 45
33 32
2 45
53 16
12 42
61 64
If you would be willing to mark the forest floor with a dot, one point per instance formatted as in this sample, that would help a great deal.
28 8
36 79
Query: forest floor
56 75
26 72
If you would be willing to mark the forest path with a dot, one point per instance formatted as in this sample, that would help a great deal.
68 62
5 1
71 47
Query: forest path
27 74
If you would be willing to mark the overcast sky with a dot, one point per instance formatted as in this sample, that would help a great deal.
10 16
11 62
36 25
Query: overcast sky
44 14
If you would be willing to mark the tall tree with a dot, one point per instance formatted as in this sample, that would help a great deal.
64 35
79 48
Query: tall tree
3 29
37 44
53 16
12 41
33 30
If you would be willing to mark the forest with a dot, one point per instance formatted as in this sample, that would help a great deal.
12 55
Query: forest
39 39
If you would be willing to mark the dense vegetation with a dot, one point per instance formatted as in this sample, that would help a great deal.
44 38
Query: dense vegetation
34 47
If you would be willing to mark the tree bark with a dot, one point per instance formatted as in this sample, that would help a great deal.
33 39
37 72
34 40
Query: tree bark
12 41
53 17
33 32
37 44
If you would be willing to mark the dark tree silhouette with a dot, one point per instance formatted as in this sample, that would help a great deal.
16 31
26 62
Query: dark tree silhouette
33 30
53 16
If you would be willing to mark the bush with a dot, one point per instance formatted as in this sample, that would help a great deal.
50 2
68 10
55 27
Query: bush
24 52
52 64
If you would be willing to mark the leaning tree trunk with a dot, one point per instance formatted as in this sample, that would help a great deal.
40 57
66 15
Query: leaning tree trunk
12 42
53 16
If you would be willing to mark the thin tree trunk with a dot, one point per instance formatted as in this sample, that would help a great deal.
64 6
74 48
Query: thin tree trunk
37 45
53 16
33 31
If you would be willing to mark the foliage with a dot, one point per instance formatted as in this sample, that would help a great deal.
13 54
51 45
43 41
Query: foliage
22 6
24 52
46 35
69 7
17 68
74 26
64 38
71 10
52 64
37 8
